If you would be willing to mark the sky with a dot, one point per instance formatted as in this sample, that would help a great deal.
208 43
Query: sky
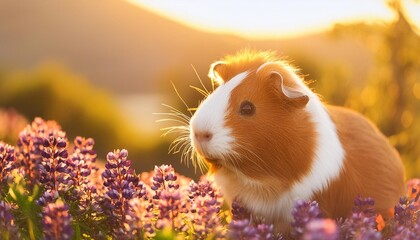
274 18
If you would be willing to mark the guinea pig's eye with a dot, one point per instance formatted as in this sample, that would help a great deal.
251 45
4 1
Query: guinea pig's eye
247 108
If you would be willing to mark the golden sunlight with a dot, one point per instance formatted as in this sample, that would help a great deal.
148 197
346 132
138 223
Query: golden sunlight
251 19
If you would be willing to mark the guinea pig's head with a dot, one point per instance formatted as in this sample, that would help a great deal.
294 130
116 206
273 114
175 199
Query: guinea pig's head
255 122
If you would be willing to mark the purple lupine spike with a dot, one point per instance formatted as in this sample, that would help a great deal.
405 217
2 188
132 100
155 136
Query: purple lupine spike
121 184
138 219
415 231
169 207
49 196
53 168
30 146
8 226
365 206
56 221
241 226
404 212
80 166
205 203
7 162
167 201
242 229
406 219
362 220
321 229
164 177
303 212
266 232
239 212
370 234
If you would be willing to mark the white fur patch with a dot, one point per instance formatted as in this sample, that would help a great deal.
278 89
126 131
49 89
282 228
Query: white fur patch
329 155
210 117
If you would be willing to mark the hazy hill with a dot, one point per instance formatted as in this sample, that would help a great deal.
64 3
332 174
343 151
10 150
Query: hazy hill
124 48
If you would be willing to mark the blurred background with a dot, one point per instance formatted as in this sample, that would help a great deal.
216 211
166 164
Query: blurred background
100 68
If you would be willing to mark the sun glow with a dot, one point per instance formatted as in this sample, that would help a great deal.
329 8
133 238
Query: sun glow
271 19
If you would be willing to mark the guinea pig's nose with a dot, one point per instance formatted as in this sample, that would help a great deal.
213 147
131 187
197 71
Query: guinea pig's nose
204 136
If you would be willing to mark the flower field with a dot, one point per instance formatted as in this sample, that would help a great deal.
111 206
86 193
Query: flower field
52 188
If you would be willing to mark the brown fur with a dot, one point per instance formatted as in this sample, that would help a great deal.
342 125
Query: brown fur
372 167
256 134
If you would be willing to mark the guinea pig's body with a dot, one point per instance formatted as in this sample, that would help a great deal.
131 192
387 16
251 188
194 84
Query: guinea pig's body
269 140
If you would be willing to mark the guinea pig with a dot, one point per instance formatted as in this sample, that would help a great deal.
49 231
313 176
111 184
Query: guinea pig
269 140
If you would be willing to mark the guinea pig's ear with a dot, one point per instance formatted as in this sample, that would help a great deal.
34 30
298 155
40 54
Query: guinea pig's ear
294 96
217 72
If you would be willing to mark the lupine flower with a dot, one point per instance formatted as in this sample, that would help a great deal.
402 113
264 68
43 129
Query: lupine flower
303 212
49 196
164 178
138 219
8 228
81 161
7 162
239 212
167 202
53 167
127 206
80 165
241 226
30 145
243 229
362 220
56 222
321 229
121 184
169 207
205 203
406 215
406 222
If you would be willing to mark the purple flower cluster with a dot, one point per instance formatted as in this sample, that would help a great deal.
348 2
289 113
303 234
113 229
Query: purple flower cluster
167 202
81 165
7 162
406 222
362 222
241 226
204 207
321 229
303 212
245 230
30 146
52 189
8 228
56 222
53 167
121 184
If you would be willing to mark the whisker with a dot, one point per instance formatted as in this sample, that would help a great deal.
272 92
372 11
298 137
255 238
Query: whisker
182 124
174 114
202 84
172 108
201 91
170 130
173 147
182 99
181 145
